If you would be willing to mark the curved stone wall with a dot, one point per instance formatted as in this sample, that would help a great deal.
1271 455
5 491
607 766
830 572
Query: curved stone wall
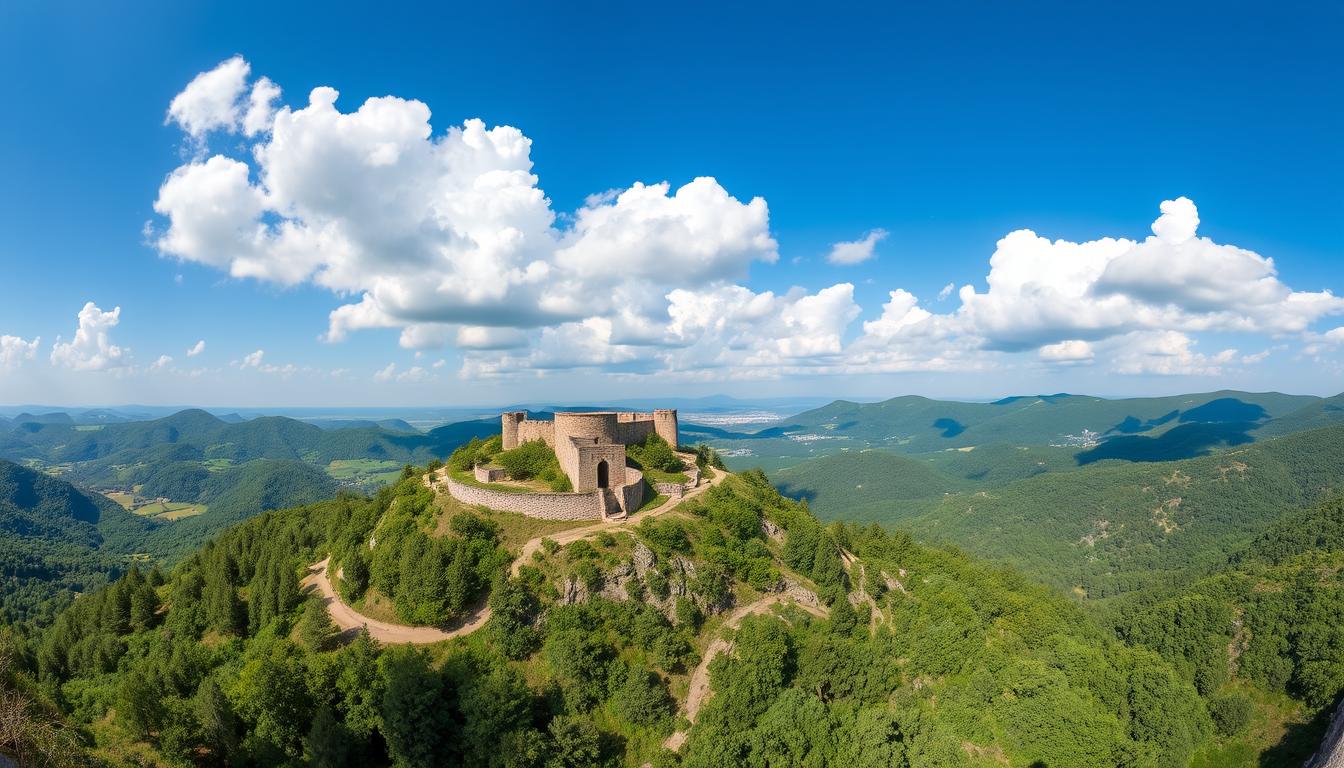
545 506
551 506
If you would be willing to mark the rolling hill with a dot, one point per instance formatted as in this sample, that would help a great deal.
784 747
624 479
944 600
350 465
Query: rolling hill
1136 429
1102 529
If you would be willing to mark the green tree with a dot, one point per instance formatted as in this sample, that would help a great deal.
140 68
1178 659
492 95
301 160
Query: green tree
327 744
413 711
575 743
642 697
316 629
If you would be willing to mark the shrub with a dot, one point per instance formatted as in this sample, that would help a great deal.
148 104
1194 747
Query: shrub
655 453
528 460
477 451
642 698
1230 712
707 457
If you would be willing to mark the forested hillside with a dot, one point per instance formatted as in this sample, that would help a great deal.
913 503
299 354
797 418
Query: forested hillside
1103 529
125 454
55 542
894 655
1263 631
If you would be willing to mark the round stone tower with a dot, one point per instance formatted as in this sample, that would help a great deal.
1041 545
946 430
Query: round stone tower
509 428
586 424
665 424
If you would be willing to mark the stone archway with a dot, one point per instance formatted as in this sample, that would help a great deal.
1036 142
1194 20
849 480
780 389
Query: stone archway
603 471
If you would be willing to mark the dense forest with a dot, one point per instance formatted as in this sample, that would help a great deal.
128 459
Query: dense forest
877 651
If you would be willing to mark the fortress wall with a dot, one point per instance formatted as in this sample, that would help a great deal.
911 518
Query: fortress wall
665 422
544 506
536 430
486 474
588 428
677 490
590 425
631 495
509 428
634 432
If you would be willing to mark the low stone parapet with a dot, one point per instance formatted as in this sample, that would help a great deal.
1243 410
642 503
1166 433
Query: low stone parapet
677 490
488 473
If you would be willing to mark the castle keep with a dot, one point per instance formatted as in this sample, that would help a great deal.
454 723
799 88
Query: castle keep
591 445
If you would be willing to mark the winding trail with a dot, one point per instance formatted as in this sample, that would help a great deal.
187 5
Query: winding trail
699 689
349 620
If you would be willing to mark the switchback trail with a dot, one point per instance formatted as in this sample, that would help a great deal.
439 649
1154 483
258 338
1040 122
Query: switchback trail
699 687
348 619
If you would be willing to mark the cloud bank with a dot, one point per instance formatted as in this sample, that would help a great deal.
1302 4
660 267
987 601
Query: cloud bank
448 237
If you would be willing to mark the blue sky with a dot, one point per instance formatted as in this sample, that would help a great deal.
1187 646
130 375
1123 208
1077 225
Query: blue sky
940 129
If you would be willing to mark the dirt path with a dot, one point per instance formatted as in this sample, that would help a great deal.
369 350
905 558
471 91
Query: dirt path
699 689
574 534
348 619
875 615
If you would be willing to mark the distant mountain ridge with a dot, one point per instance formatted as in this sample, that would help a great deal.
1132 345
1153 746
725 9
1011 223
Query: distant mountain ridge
210 437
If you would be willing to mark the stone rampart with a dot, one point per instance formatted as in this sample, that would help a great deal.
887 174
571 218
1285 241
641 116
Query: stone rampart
544 506
551 506
536 430
632 493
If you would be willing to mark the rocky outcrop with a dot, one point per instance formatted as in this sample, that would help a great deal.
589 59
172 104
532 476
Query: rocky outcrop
772 531
1331 753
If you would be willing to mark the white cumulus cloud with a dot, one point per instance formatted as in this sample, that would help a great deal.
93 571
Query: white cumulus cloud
856 251
220 100
92 348
14 351
196 348
446 236
1071 351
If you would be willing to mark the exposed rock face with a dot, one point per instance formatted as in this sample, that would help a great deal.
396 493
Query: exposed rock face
643 558
679 573
614 581
774 532
573 591
1331 753
802 595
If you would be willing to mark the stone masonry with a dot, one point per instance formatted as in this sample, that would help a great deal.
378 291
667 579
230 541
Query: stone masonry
591 445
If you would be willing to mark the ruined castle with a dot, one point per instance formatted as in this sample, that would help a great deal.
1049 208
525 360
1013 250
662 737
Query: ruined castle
591 445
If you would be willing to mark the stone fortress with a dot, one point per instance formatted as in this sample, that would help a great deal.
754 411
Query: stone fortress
590 447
